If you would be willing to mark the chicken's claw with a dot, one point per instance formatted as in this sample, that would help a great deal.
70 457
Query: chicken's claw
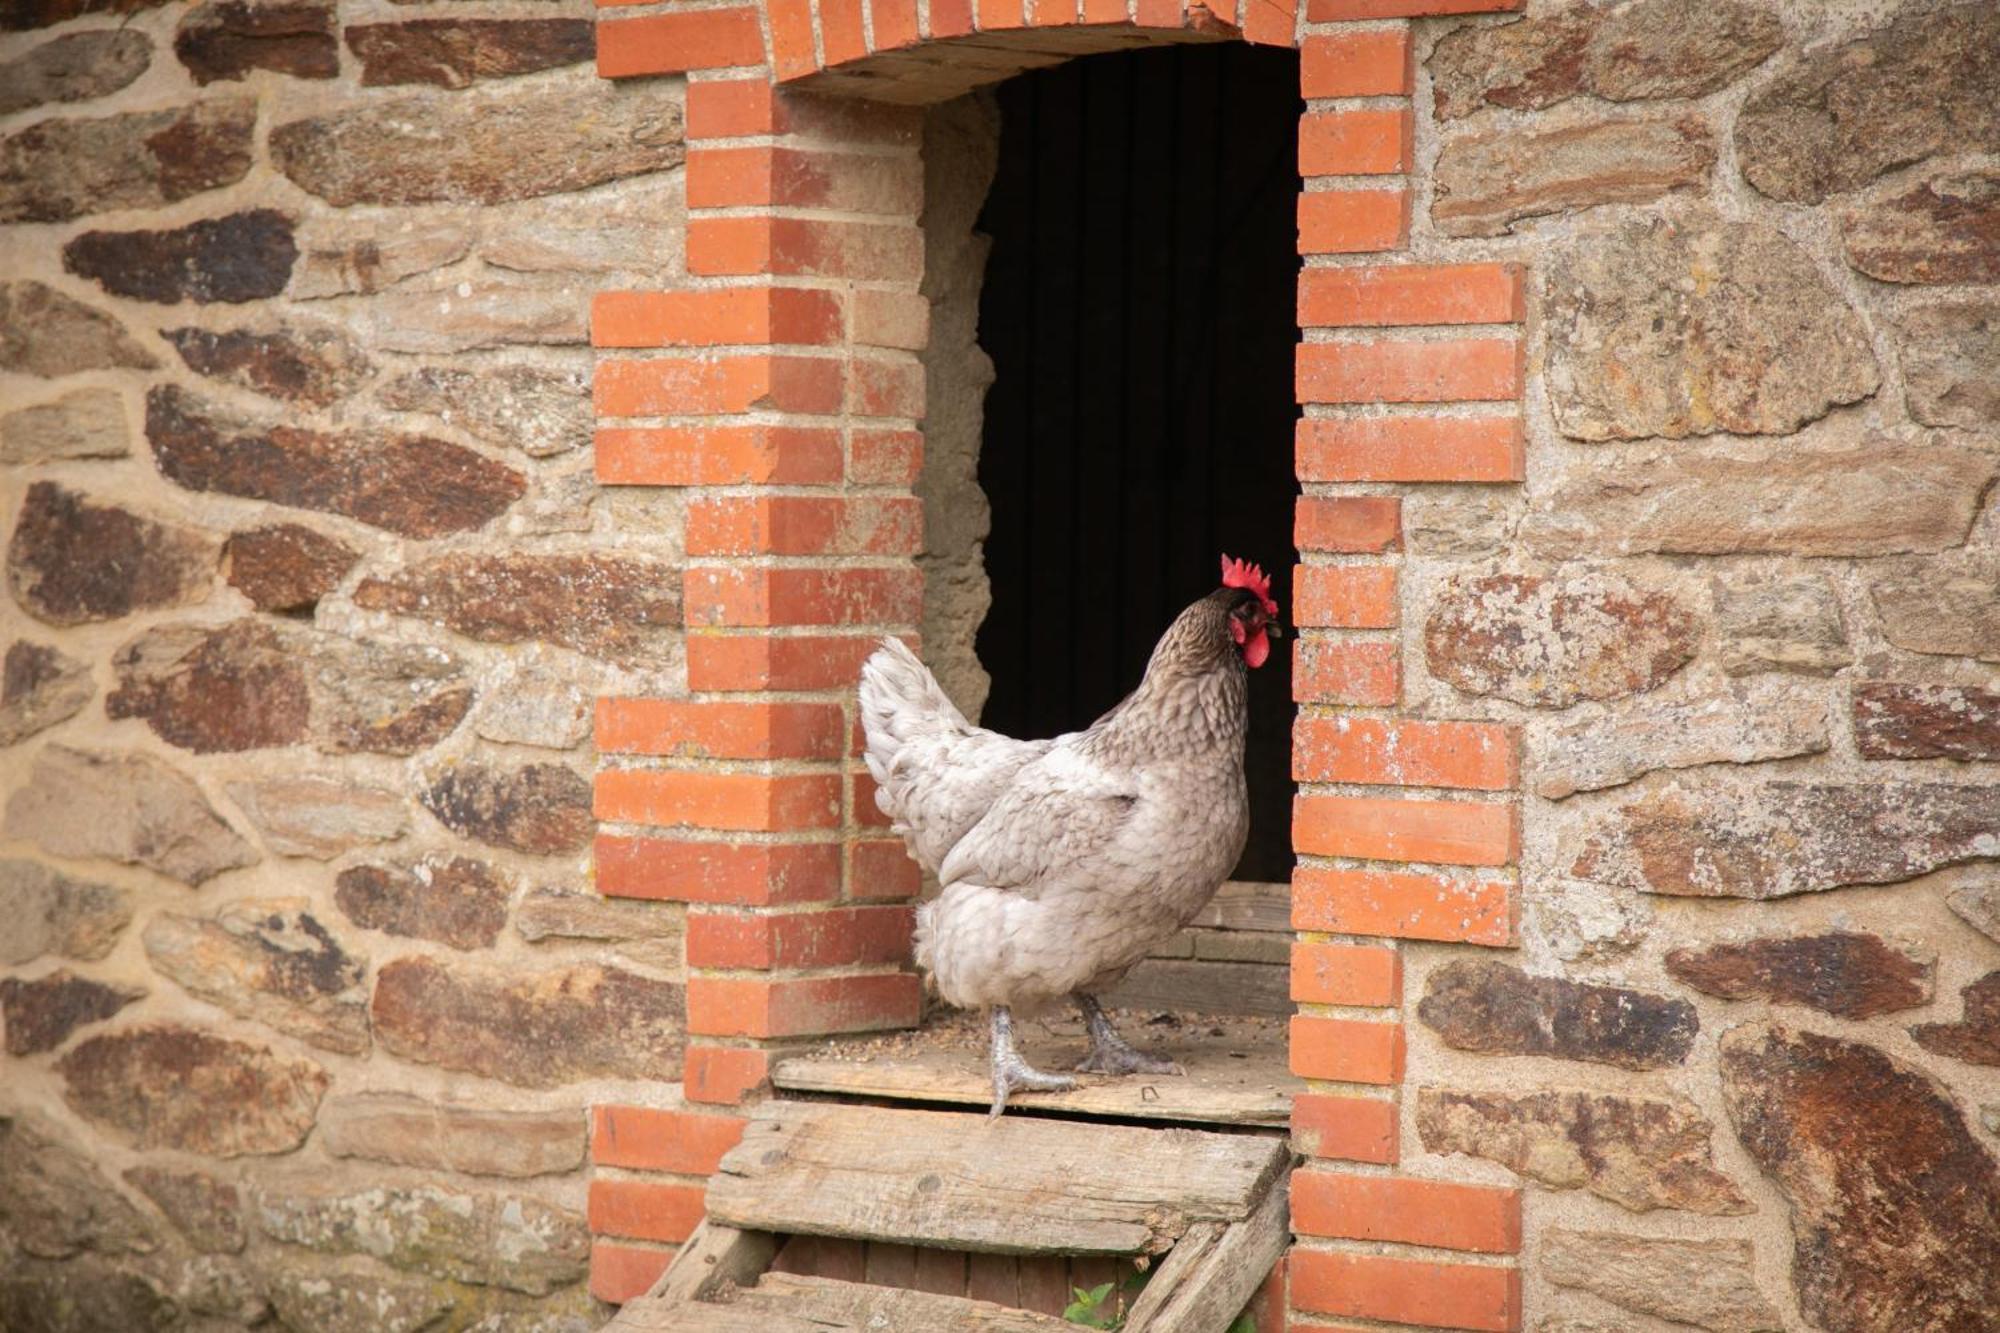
1013 1074
1111 1053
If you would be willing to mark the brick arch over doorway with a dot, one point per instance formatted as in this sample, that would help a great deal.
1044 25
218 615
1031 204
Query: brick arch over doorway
779 387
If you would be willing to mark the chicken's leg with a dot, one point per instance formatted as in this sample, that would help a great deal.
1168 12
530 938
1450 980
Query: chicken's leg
1013 1074
1109 1052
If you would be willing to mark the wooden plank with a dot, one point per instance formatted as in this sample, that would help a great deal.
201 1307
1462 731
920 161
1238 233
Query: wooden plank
1221 1273
994 1277
1194 986
1243 905
941 1271
1010 1186
833 1304
891 1265
1044 1283
714 1256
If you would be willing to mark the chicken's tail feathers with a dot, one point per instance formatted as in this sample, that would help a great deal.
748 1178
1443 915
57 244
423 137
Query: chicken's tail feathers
901 700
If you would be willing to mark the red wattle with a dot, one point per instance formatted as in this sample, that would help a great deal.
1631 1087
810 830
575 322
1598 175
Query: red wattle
1257 649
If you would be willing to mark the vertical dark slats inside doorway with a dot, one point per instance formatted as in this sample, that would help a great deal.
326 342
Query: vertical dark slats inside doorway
1139 309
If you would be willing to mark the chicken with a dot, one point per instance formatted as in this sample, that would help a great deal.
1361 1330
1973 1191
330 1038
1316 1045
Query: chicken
1063 862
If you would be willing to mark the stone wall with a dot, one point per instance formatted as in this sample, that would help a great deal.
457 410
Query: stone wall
310 591
1746 613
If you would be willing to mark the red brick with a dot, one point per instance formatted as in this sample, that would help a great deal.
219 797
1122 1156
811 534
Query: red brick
717 317
1474 756
886 388
805 525
881 868
748 874
895 23
724 1075
861 800
813 1006
735 595
712 385
1403 905
621 1273
730 108
760 662
743 802
1345 596
885 457
1341 1050
900 320
1481 1218
1051 13
1333 671
736 108
1356 974
1410 294
1382 828
717 456
1107 11
1158 13
950 18
1335 11
1344 222
793 52
1407 1291
720 729
824 938
645 1209
1411 448
1348 1129
734 177
1350 524
803 247
1371 62
650 1138
1410 371
999 15
840 33
679 41
1367 141
1270 22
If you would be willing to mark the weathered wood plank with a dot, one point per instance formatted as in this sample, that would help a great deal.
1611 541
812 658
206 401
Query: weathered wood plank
1010 1186
714 1256
1220 1274
832 1304
1197 986
1246 905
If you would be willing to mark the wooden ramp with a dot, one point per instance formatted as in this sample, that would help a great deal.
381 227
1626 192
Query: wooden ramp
1209 1208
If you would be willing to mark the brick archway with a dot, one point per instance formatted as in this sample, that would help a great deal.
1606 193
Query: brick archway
778 387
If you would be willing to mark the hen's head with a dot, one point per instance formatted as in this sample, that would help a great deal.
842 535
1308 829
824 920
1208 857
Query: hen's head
1253 616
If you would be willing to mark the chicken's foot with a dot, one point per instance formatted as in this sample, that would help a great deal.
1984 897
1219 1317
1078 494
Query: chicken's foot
1013 1074
1109 1052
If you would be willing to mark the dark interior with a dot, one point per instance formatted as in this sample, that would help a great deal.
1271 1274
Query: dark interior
1139 310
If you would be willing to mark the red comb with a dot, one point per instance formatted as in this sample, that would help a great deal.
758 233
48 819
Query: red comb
1242 574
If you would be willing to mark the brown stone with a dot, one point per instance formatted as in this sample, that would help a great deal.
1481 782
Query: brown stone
48 912
238 687
1843 115
235 258
1673 328
504 1240
227 39
405 484
82 1295
1627 53
173 1087
1975 1038
607 606
1841 973
294 364
209 1212
1893 721
1895 1206
54 1202
74 68
1944 229
532 1029
539 411
339 256
478 1140
42 1013
1765 717
40 687
21 15
45 333
541 809
453 53
1488 181
73 560
285 566
1708 1283
320 817
1948 606
1641 1153
1776 839
141 813
55 170
1556 640
642 931
271 961
486 148
383 698
84 423
1878 497
1951 363
1497 1009
1779 622
475 315
1979 907
455 901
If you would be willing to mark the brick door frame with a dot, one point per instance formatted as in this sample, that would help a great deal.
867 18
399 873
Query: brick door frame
779 389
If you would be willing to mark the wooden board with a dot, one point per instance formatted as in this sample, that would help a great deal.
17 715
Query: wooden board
788 1303
1204 987
1010 1186
1238 1078
1245 905
1212 1274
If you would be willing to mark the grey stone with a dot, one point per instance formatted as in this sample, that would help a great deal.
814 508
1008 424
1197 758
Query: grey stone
269 960
355 1296
475 315
320 817
142 813
1978 905
84 423
46 333
478 1140
341 256
1581 921
637 929
1486 182
48 912
75 67
59 169
1779 622
1949 606
536 704
207 1211
1951 363
1711 1284
538 410
40 687
54 1202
